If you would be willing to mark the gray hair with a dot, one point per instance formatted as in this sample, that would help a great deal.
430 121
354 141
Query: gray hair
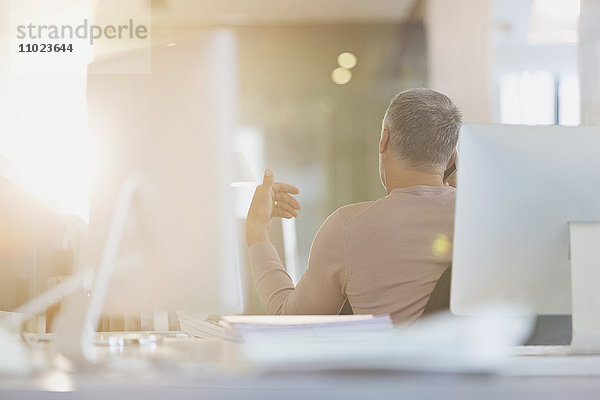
423 126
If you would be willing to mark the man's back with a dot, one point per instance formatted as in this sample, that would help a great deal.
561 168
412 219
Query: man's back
397 248
383 256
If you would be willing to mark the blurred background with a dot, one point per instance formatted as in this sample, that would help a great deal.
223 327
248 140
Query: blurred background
315 78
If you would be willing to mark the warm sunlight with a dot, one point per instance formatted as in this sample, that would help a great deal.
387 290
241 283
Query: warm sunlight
45 135
43 113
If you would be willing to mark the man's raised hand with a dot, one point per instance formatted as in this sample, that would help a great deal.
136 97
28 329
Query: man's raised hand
271 199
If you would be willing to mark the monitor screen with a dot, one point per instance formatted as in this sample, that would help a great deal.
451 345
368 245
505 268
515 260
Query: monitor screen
172 128
519 187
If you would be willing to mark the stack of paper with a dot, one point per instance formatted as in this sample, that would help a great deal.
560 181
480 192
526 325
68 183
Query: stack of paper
300 327
201 325
442 342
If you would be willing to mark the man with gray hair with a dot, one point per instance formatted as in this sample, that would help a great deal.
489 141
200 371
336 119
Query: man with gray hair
383 256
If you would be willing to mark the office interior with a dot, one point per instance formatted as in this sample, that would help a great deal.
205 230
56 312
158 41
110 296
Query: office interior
309 83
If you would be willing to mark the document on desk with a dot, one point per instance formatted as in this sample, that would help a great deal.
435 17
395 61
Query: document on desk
441 343
201 325
295 327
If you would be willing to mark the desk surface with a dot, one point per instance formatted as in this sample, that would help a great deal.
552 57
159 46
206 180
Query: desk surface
210 370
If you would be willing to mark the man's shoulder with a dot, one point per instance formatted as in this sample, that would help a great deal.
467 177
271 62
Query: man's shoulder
348 212
336 221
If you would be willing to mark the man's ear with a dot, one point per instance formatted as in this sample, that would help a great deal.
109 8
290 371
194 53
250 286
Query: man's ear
452 159
384 142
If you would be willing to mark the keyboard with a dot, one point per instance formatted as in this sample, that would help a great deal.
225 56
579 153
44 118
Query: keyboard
558 350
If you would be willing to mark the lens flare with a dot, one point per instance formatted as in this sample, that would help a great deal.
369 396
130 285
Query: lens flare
441 245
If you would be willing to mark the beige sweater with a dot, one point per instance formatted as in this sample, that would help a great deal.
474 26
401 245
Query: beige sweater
384 256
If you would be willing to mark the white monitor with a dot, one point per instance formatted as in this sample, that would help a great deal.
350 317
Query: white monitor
162 229
528 203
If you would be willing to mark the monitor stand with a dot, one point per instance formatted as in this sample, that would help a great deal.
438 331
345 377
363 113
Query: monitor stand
585 286
551 330
77 322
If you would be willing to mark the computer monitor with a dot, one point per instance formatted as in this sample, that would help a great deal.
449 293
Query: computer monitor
161 218
527 223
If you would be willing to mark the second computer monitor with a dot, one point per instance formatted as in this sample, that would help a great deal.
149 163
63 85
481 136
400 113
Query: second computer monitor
519 187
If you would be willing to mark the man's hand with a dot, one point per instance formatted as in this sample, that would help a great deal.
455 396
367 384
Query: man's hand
271 199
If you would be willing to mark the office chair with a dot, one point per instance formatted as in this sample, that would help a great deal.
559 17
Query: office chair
440 297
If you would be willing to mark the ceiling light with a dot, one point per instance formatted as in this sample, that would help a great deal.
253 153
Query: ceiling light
347 60
341 76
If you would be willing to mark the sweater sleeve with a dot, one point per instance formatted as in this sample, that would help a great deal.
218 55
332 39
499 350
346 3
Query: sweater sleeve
321 289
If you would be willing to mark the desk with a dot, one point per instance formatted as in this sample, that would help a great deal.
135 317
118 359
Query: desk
209 370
